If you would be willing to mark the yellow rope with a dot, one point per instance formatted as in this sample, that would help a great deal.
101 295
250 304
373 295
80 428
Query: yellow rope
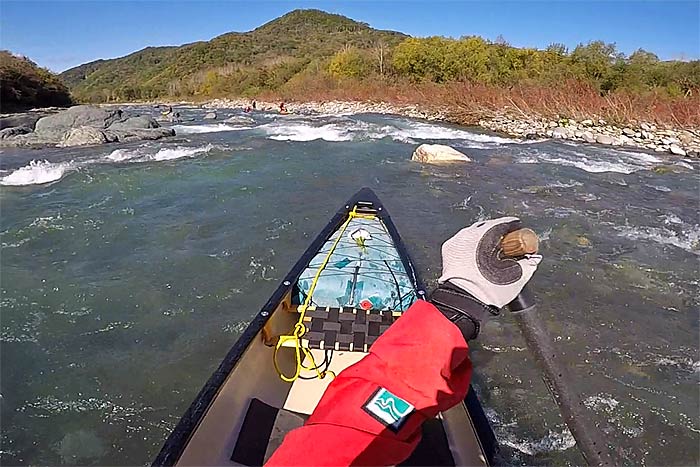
299 327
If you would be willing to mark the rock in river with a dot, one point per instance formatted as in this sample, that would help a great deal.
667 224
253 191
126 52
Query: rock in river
21 120
14 131
431 153
84 125
138 134
210 116
133 123
83 136
80 115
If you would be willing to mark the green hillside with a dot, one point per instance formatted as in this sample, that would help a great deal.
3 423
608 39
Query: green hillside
233 63
24 85
316 55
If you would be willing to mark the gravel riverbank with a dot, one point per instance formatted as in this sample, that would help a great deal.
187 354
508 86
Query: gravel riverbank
644 135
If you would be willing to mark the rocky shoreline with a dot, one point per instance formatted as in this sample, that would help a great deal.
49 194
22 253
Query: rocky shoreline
646 136
81 125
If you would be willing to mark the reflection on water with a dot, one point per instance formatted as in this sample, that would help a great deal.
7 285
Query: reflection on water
128 271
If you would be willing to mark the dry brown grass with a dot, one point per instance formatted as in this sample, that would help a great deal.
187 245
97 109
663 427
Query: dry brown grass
468 103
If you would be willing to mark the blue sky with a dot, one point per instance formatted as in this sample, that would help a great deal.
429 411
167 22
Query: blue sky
61 34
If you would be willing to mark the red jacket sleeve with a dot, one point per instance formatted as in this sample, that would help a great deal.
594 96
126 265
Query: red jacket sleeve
421 361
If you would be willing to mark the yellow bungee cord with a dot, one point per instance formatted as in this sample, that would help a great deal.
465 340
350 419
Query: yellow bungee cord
300 328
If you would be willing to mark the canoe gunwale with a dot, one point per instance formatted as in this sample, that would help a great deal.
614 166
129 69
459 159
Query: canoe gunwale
177 441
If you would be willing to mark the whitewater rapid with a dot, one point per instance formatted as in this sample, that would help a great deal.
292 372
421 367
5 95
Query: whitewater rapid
341 129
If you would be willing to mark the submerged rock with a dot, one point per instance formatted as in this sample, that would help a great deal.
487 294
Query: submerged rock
429 153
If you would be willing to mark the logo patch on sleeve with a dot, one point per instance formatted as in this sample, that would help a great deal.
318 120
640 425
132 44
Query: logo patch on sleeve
388 409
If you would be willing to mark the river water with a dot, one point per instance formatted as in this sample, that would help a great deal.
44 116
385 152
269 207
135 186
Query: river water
128 271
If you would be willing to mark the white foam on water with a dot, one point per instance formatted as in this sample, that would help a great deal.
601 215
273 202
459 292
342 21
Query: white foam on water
307 132
684 165
119 155
661 188
671 219
168 154
426 131
631 424
552 441
355 130
593 166
163 154
109 411
601 402
624 162
685 236
640 156
558 184
37 173
216 128
594 161
527 160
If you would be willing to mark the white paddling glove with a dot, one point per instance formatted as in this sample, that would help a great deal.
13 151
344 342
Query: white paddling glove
477 279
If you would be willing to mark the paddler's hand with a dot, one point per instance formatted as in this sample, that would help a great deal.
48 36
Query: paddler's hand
477 279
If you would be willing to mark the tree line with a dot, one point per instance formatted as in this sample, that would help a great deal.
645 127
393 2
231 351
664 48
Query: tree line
475 60
431 60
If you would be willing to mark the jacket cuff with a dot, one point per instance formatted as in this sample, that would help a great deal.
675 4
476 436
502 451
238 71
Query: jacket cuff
461 308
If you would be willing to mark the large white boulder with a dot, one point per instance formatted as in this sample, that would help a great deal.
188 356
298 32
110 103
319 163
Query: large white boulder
431 153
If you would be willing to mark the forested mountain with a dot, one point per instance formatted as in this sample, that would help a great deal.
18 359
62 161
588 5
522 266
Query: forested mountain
308 52
237 63
24 85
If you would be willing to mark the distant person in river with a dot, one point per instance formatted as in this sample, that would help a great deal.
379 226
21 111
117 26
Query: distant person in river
283 109
254 105
372 412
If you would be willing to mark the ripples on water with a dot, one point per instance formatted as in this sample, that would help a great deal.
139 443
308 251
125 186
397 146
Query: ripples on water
128 271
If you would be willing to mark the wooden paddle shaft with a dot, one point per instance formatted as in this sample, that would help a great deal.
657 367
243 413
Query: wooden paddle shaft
520 242
590 440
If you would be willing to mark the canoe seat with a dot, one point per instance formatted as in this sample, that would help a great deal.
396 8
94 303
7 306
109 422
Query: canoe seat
265 426
345 328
